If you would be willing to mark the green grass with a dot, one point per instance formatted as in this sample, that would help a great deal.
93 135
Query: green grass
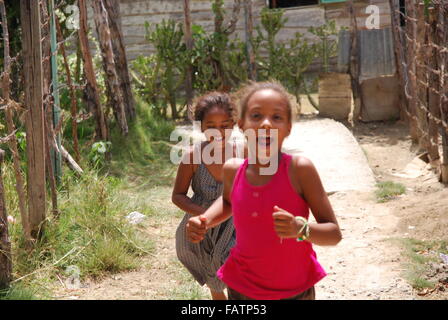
388 190
419 255
188 289
91 232
147 135
18 292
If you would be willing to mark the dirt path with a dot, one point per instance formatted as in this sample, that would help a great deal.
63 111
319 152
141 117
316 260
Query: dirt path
367 264
364 265
334 151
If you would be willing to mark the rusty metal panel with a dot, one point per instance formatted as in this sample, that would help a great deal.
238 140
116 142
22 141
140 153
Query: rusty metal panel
377 56
343 51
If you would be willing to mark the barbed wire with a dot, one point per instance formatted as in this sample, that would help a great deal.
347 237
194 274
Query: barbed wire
48 99
424 74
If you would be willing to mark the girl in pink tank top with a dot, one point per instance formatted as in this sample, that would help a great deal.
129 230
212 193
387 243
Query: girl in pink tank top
269 195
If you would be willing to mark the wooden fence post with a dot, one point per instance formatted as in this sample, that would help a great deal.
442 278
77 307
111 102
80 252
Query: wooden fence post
56 105
5 244
399 58
91 91
411 32
20 188
422 78
115 94
354 66
433 83
443 103
35 129
121 62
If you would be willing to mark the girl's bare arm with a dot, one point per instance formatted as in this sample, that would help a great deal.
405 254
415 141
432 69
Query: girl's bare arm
220 210
326 231
179 195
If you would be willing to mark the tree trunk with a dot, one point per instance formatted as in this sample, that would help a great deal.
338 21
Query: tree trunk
231 26
46 54
35 129
189 43
20 189
73 100
354 64
121 62
91 92
104 36
249 26
49 100
5 244
218 63
171 94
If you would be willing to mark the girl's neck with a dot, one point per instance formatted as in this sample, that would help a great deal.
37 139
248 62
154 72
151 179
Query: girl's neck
258 165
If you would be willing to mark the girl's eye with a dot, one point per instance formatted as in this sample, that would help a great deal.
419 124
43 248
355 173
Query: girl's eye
255 116
278 117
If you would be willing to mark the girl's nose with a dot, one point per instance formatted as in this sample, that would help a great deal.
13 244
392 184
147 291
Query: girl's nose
266 123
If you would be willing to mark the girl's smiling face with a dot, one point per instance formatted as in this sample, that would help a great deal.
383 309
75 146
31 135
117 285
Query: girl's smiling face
218 119
269 110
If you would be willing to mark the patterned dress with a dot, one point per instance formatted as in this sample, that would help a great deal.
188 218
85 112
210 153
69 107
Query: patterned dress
203 259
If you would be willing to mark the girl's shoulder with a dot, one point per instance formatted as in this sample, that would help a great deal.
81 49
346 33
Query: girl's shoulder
229 170
301 162
301 173
192 156
303 170
231 167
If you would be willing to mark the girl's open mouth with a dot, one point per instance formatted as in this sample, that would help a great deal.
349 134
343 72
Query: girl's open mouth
264 141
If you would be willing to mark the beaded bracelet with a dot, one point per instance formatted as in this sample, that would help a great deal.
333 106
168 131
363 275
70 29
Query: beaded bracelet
306 235
305 227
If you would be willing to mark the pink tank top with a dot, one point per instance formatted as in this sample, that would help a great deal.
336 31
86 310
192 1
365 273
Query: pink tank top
261 265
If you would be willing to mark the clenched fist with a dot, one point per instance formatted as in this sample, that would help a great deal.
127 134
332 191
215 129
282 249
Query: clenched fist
196 228
285 224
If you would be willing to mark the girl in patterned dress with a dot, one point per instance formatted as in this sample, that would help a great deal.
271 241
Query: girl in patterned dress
215 111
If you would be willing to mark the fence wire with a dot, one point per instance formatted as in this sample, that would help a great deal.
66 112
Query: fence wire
421 45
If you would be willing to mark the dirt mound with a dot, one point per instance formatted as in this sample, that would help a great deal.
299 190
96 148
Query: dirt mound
424 216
